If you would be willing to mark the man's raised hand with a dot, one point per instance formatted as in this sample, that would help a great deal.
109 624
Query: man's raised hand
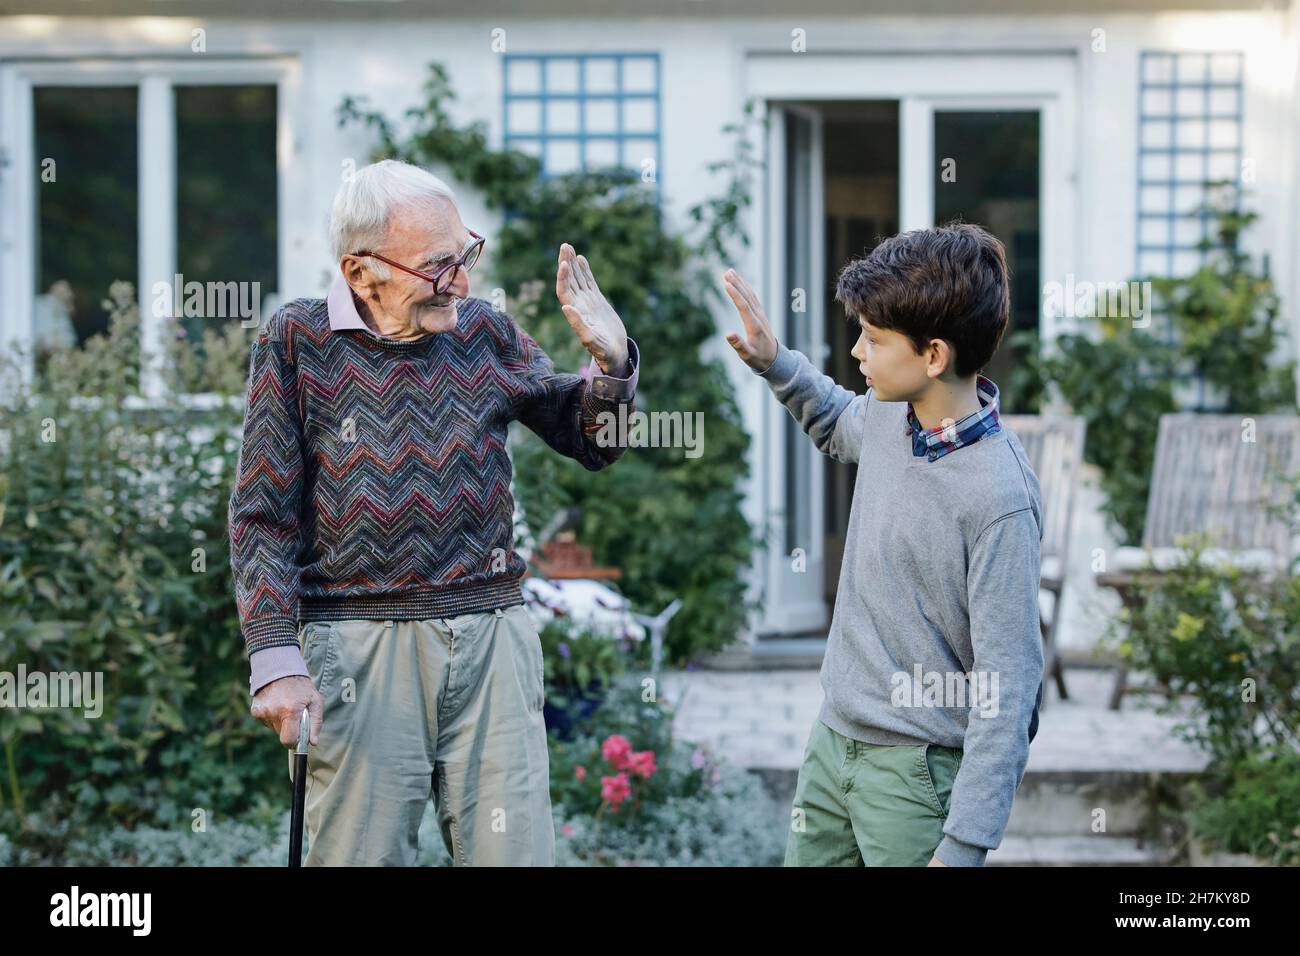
599 328
758 347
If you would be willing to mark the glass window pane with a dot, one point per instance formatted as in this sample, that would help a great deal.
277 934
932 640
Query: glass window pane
524 116
523 75
226 189
639 75
639 116
562 156
602 152
87 207
562 116
562 76
602 116
601 75
996 185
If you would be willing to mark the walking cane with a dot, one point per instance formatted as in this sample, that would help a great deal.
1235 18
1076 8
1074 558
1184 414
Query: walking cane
299 789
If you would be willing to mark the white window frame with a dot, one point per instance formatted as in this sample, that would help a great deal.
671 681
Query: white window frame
156 79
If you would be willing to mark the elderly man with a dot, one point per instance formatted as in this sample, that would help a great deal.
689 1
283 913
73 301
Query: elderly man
371 529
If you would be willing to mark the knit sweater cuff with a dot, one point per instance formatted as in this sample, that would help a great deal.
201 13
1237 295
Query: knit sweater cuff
272 663
270 630
783 366
954 852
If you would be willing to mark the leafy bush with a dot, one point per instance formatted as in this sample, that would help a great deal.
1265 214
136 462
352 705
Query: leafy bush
1230 640
1121 379
626 792
694 809
1252 806
62 835
1227 638
674 525
732 823
114 559
574 660
1227 318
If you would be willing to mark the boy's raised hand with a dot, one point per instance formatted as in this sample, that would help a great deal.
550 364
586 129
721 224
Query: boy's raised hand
758 348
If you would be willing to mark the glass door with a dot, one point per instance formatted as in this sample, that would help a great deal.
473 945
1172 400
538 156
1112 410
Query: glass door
983 161
987 173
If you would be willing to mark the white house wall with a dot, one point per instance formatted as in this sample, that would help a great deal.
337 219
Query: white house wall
703 87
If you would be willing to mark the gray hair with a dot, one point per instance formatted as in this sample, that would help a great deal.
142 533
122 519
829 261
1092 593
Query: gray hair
367 199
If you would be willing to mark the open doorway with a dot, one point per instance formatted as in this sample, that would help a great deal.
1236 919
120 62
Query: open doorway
840 193
861 189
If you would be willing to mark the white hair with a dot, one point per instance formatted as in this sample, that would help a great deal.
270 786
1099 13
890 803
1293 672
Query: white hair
366 200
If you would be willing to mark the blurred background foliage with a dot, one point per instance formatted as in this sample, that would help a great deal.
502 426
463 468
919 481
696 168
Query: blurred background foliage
1220 325
114 557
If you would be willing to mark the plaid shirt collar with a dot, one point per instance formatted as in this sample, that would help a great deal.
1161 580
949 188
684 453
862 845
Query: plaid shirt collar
937 442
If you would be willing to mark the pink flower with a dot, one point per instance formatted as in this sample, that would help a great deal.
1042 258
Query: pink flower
615 789
567 829
616 749
642 763
580 773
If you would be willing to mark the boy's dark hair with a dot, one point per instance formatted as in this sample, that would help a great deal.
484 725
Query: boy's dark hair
944 283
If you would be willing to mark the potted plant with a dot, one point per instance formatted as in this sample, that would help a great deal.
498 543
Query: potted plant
579 667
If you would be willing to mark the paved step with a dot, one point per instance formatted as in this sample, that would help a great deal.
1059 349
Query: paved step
1096 850
1054 804
766 654
1074 804
1086 760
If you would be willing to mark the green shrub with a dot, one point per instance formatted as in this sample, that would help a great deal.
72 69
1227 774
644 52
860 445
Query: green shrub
62 835
1253 807
1228 333
573 659
1227 317
114 559
694 808
1228 639
1120 380
1231 641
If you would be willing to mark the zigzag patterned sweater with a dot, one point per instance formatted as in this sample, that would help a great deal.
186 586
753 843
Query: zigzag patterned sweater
373 480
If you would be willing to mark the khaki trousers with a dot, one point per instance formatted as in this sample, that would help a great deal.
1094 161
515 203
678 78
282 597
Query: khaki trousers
448 708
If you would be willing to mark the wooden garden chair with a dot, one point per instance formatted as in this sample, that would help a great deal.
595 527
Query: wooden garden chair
1208 479
1054 447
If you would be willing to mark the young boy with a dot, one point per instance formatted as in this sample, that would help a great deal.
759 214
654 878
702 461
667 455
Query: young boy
934 650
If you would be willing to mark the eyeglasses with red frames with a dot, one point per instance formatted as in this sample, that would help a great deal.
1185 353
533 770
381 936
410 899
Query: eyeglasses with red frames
443 278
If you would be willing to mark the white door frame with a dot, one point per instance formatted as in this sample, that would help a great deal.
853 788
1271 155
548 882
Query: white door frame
794 580
922 82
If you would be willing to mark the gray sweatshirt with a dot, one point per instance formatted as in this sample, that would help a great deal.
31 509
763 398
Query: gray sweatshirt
935 636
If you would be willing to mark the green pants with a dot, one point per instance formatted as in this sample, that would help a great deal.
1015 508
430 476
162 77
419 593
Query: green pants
860 804
443 708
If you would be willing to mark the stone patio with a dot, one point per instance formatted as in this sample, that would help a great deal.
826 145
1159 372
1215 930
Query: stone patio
1084 757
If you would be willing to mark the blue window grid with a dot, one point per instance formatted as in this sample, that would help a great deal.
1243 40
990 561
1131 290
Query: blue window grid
583 137
1161 257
